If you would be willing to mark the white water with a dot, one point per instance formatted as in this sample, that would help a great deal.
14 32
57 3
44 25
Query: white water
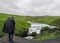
29 37
36 27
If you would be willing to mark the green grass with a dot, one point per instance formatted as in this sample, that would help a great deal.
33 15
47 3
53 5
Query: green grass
21 22
22 25
46 20
45 36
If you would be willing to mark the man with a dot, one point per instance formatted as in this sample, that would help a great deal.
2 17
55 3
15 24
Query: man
9 27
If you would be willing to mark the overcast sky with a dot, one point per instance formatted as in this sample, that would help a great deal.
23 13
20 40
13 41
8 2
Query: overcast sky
31 7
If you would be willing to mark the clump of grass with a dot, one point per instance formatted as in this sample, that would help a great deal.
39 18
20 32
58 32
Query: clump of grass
1 34
45 36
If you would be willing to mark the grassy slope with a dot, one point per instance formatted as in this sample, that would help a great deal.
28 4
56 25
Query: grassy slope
21 21
46 19
3 17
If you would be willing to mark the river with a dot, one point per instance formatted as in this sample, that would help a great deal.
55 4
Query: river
36 27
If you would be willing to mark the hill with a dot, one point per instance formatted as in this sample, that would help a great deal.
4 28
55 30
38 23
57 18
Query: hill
22 25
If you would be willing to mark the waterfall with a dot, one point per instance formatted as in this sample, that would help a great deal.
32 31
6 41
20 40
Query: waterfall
36 27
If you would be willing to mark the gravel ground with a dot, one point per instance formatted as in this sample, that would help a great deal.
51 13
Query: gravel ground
21 40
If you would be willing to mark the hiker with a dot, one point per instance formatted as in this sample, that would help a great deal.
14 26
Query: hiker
9 27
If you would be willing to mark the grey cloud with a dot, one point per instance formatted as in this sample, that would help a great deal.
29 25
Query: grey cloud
30 7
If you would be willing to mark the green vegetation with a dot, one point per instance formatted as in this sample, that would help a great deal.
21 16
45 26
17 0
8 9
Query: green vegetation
22 25
1 34
56 22
47 34
43 19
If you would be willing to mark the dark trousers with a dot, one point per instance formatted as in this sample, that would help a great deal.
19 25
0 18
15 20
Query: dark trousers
11 37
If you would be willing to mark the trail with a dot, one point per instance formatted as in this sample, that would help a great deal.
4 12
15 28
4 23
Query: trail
22 40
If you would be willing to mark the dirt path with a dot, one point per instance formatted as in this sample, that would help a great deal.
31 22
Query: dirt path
21 40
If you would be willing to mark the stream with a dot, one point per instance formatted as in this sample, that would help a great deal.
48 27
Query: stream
36 27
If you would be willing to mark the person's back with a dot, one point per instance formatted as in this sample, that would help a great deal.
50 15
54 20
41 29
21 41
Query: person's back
9 27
